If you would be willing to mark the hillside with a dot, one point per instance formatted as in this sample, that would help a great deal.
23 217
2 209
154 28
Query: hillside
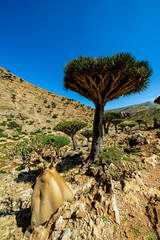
116 197
33 108
137 108
146 116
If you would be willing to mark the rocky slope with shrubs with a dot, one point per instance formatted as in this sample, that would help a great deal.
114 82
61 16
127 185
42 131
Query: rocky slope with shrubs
25 108
116 197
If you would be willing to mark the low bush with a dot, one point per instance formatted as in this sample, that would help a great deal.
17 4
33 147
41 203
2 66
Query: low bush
3 123
12 125
112 155
2 171
21 167
55 116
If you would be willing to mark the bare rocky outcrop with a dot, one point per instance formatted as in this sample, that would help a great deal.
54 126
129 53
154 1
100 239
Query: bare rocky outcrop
105 206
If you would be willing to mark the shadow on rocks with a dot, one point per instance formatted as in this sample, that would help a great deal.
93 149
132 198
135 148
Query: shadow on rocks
28 176
69 162
23 218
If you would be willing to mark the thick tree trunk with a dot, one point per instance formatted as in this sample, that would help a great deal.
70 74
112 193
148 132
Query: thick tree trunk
75 144
97 133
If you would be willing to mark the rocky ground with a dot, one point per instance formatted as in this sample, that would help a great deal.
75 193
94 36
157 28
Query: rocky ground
112 199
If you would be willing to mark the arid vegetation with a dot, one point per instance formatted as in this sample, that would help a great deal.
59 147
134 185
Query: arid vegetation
116 196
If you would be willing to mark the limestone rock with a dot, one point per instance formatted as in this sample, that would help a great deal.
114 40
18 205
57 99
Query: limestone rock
131 199
67 234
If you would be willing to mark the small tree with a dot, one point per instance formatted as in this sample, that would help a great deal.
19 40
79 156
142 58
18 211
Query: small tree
107 118
116 122
139 121
87 133
38 145
122 126
104 79
131 125
25 150
70 128
44 142
155 125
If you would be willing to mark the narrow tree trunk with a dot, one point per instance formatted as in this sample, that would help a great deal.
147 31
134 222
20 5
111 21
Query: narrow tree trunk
75 144
116 129
104 126
107 129
97 133
146 125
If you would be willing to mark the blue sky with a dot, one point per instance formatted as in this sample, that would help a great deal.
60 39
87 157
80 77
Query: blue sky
37 39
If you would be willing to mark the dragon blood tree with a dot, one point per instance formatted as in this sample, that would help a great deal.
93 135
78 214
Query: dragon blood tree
104 79
70 128
107 118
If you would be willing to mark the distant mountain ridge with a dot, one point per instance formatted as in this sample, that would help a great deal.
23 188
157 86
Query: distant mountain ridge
149 105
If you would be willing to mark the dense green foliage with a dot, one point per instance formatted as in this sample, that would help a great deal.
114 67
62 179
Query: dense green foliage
13 125
109 66
111 155
102 80
110 116
56 141
70 127
87 133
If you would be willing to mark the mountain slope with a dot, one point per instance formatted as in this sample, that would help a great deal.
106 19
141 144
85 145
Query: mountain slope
33 107
137 107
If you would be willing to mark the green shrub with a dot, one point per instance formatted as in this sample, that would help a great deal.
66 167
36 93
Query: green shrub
55 116
48 106
1 130
3 140
112 155
2 171
31 122
58 141
132 151
3 123
21 167
3 135
12 125
53 104
128 159
38 131
48 121
19 129
15 135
